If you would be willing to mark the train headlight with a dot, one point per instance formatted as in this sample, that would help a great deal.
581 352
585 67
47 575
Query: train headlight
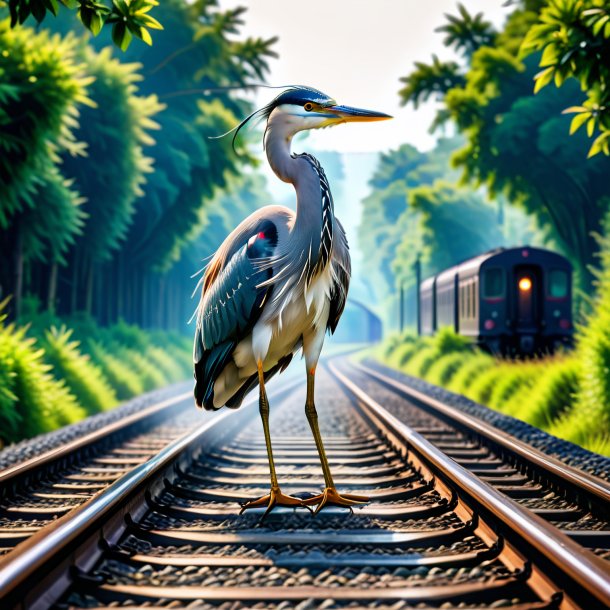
525 284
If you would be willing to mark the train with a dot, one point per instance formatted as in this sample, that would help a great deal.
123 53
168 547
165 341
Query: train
509 301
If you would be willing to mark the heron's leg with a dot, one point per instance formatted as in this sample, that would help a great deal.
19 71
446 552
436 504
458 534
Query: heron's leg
275 497
330 495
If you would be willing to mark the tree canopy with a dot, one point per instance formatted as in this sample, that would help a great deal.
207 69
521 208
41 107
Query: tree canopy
518 142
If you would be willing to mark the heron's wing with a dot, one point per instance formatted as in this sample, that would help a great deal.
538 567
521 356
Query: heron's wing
341 272
231 303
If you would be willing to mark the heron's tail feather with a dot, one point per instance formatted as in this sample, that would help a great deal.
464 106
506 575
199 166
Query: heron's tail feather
207 369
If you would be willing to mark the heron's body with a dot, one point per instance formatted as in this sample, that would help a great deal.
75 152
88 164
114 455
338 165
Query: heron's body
279 281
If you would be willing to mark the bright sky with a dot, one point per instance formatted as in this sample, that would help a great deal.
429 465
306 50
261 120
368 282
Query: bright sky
356 51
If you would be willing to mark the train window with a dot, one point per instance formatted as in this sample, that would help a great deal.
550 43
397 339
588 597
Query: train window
493 283
558 284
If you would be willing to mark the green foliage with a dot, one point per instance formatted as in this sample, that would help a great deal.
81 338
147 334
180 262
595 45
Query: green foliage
513 378
121 375
445 368
120 122
428 80
403 353
466 33
574 38
518 142
481 388
31 400
552 395
41 84
473 366
85 380
421 361
128 17
592 410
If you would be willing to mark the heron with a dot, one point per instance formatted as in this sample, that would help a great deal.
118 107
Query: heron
277 284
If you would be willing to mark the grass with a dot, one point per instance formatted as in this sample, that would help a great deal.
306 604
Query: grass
54 372
547 393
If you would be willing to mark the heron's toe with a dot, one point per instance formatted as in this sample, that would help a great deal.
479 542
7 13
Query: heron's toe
274 498
331 496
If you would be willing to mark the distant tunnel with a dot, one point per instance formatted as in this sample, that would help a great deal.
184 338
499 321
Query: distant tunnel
358 324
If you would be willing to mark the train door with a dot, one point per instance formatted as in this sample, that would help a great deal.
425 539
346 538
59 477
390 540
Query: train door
527 287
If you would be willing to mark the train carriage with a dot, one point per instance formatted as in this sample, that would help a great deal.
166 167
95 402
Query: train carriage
515 300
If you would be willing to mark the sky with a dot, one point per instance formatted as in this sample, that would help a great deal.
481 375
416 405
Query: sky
356 51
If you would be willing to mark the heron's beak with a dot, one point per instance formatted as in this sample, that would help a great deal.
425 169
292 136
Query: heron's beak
347 114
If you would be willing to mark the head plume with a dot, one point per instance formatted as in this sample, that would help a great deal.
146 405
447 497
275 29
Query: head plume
292 94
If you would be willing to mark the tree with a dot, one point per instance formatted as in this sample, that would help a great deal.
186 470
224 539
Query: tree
42 84
518 144
574 38
110 173
128 17
467 33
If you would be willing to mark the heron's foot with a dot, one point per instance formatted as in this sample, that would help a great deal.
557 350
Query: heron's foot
331 496
274 498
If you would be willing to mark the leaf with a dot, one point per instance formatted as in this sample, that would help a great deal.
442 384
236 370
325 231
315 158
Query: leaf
599 24
145 36
150 22
600 144
96 24
543 78
591 126
550 55
578 121
573 109
121 36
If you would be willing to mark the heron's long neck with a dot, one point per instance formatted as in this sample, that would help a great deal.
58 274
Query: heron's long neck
311 215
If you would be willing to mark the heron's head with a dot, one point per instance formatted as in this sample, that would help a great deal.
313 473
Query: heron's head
301 108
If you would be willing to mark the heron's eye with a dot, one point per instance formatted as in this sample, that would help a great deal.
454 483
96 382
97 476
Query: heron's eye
308 106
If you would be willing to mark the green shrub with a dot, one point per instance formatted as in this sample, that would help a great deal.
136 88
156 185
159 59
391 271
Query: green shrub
167 362
85 379
513 377
397 340
553 393
120 374
472 368
480 389
447 341
446 367
149 375
404 353
32 401
422 360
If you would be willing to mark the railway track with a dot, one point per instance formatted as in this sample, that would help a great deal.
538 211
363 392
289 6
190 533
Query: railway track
38 490
453 522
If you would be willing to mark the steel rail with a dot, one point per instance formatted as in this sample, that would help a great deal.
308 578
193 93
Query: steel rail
585 482
566 556
44 460
29 562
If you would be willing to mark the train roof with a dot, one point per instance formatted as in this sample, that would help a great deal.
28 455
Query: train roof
500 255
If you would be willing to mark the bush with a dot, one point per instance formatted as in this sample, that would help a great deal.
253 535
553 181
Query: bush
473 366
481 388
121 375
446 367
421 361
32 401
149 375
85 379
447 341
512 378
404 353
552 395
